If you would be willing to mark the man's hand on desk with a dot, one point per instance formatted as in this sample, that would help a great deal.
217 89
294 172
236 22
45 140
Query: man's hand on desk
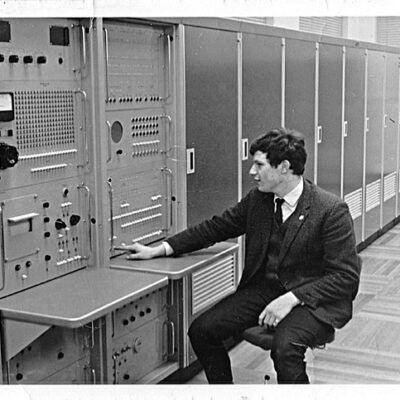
137 251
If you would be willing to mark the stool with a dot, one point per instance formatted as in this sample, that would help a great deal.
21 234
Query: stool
263 337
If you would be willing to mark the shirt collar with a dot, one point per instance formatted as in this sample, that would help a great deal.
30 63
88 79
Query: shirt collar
293 197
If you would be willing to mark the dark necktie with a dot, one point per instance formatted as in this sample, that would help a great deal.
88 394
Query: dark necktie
278 210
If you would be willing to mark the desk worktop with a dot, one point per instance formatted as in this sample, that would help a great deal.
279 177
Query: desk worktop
176 267
80 297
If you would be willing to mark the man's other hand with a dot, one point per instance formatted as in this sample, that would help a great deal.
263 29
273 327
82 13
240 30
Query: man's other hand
275 311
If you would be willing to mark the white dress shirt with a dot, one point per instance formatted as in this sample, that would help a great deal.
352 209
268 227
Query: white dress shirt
291 200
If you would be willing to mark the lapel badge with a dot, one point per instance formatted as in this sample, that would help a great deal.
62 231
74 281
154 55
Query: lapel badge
301 217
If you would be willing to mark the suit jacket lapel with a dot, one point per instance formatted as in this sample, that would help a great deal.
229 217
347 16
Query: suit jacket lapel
297 220
266 216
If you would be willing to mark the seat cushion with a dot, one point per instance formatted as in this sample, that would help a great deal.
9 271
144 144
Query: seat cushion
259 336
263 336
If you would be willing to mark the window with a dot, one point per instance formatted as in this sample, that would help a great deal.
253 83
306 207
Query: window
257 20
388 30
332 26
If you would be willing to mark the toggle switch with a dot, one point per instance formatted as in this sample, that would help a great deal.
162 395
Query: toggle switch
60 224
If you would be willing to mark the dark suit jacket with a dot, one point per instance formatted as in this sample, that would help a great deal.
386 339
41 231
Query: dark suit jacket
318 260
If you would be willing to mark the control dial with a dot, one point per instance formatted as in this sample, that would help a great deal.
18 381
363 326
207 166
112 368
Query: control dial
8 156
137 344
74 219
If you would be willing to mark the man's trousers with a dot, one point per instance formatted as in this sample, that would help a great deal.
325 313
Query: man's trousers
231 316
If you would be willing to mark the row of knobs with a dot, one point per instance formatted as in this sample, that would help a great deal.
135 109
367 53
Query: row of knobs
13 59
130 99
73 220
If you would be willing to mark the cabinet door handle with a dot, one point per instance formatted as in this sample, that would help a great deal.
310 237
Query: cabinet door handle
111 201
169 63
108 141
172 326
106 56
190 161
319 134
167 133
168 199
89 219
85 139
245 149
2 247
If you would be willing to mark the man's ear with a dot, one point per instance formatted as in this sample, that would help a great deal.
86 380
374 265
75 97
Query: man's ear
285 166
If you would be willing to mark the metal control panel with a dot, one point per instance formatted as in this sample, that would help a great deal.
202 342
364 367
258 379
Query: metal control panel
44 201
59 356
142 338
139 119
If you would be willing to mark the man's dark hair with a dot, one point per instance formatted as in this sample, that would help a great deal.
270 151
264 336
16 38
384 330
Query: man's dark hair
282 144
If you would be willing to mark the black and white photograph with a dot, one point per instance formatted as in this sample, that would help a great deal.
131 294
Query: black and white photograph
199 199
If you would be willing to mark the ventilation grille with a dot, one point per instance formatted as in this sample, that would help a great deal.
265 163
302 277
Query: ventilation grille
213 283
389 186
373 195
332 26
354 201
44 120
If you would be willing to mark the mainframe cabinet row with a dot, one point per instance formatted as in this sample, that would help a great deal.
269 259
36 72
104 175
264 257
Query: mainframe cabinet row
343 97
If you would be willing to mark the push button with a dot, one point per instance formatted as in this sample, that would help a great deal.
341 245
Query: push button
13 59
41 60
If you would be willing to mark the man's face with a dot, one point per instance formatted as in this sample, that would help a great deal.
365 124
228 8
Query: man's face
268 178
